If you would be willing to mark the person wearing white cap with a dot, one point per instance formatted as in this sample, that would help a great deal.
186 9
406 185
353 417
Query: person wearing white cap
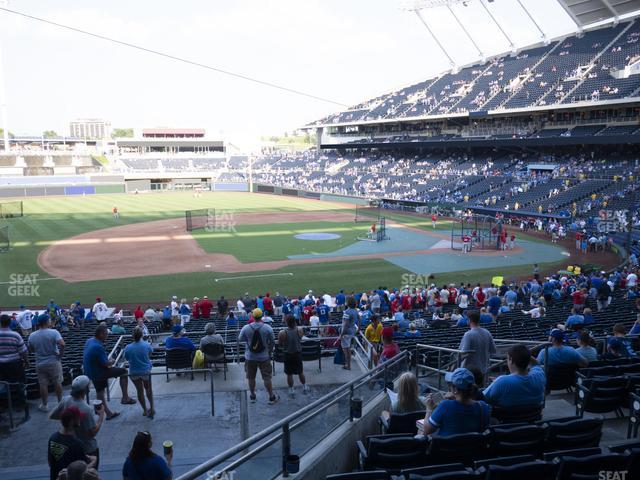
175 316
88 427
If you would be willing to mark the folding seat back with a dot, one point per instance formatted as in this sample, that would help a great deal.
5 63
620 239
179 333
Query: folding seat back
574 434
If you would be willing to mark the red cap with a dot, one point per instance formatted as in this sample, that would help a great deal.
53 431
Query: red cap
387 332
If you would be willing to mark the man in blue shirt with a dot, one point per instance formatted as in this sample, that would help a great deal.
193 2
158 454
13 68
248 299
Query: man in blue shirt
560 354
323 312
511 297
523 386
494 304
98 367
177 341
574 319
341 300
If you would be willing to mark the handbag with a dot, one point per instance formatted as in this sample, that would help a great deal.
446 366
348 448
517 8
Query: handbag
198 360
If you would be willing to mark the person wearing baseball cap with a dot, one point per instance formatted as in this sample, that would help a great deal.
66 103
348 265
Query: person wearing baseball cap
64 447
560 354
259 341
462 414
86 428
178 341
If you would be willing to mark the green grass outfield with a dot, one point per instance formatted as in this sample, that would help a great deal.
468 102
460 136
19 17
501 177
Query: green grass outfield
276 241
54 218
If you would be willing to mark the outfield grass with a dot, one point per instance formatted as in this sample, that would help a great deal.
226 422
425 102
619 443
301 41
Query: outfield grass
54 218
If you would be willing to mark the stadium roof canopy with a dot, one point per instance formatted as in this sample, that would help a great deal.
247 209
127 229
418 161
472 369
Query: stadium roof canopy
587 12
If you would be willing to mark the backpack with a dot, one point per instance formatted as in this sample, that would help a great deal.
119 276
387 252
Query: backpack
256 345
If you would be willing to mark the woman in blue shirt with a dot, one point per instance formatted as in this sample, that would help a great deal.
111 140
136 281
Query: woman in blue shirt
138 354
143 464
462 415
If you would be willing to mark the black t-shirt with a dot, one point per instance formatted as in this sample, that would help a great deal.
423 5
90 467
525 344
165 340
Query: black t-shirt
63 450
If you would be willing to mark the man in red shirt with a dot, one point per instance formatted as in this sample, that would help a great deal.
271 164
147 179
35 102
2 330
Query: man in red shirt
579 297
434 220
306 314
578 240
453 294
195 308
406 302
267 303
205 306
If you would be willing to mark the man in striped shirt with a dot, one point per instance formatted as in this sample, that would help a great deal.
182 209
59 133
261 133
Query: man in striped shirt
13 352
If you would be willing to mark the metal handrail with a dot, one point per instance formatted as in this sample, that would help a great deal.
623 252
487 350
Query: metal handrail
8 385
285 424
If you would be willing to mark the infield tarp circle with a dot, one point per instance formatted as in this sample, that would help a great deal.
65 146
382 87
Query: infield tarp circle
317 236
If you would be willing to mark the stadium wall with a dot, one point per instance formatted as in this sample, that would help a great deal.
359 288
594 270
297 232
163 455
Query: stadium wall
294 192
230 187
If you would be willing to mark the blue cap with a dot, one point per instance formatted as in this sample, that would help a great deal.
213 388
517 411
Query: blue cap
176 328
77 302
42 319
21 306
461 378
557 334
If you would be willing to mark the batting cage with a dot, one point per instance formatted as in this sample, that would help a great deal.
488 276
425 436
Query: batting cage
201 218
476 232
11 209
4 238
377 232
368 213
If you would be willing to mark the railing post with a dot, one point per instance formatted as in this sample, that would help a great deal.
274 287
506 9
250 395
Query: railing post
213 407
244 417
10 405
286 448
384 375
415 357
351 402
439 368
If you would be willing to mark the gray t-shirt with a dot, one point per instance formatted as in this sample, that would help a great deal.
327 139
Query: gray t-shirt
44 343
268 340
349 321
87 423
481 342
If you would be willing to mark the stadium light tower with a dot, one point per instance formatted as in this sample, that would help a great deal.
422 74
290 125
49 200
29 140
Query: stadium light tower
3 97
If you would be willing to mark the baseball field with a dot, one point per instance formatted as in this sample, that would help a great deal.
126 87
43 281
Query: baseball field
72 248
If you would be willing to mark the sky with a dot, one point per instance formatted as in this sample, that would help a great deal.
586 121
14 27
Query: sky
342 50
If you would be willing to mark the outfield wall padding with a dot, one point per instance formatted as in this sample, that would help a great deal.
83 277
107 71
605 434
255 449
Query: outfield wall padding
231 187
109 188
80 190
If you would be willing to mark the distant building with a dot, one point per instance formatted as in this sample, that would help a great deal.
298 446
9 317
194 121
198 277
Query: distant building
92 128
170 141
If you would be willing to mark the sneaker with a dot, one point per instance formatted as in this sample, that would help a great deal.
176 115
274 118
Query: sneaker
273 399
43 408
252 397
305 389
292 393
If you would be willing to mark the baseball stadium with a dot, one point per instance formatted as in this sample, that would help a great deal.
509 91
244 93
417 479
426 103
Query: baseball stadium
439 281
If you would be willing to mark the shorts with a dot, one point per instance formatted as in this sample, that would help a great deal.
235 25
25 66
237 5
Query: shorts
144 378
49 373
251 369
112 372
12 372
293 363
345 340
